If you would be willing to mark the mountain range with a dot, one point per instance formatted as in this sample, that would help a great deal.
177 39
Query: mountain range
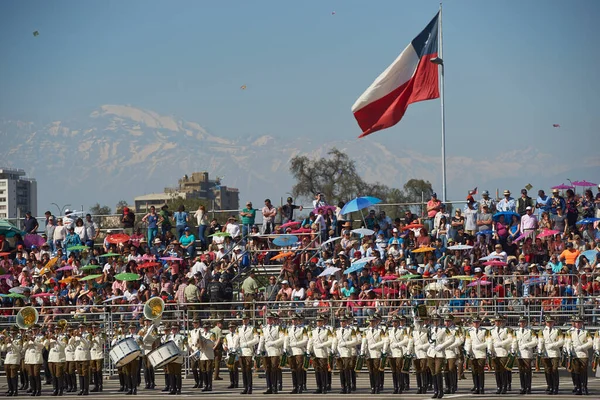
119 151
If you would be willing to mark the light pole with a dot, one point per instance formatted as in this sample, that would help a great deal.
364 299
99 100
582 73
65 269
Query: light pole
61 210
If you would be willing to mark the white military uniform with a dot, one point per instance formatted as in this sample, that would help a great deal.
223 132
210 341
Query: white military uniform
272 340
296 340
13 352
206 345
33 351
524 342
420 343
476 343
179 340
82 347
373 343
56 350
501 339
97 347
320 343
194 340
551 342
247 338
579 342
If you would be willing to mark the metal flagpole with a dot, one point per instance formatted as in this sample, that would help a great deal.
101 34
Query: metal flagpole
443 112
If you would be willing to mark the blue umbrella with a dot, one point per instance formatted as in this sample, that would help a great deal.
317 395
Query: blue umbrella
507 216
589 254
485 232
355 267
285 240
359 203
587 221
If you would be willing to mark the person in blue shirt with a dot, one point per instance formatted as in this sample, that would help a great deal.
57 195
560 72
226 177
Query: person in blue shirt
181 218
543 203
153 220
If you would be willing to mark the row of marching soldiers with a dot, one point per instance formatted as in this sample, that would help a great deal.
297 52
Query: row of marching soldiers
74 356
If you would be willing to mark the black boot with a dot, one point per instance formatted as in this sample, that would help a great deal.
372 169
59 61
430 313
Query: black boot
440 381
24 381
80 385
86 384
236 378
419 383
482 383
522 382
578 385
528 376
196 379
55 386
131 384
245 382
584 383
319 385
279 373
381 380
436 388
208 378
476 380
180 384
95 382
31 388
556 381
447 377
167 387
353 380
395 382
152 378
121 382
231 382
343 382
250 382
376 378
60 384
10 390
173 384
15 384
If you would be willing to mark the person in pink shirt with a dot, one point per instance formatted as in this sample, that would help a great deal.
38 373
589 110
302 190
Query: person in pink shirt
433 207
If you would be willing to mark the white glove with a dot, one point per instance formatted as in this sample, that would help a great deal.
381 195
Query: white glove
578 348
438 349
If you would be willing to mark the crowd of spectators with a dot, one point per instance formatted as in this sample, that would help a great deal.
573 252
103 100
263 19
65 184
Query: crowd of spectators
491 253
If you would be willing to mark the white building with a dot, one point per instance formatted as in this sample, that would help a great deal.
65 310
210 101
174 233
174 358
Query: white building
18 194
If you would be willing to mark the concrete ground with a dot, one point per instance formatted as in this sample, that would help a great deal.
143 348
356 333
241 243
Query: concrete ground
220 389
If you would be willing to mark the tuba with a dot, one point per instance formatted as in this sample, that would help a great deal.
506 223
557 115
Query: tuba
154 308
61 324
27 317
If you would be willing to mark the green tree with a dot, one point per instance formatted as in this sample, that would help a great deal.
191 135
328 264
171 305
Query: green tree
417 189
191 205
120 205
96 210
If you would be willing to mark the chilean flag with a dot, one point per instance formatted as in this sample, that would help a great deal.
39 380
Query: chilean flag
412 77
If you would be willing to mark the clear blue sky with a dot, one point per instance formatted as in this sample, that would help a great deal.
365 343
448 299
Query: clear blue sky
513 67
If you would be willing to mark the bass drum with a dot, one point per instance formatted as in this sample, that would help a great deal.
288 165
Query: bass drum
163 355
124 351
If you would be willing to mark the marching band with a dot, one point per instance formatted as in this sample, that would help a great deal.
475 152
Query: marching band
434 347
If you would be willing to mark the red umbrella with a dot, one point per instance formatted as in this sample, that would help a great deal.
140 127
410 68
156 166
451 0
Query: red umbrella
5 253
496 263
389 278
117 238
413 226
548 232
386 291
291 223
302 230
42 295
148 265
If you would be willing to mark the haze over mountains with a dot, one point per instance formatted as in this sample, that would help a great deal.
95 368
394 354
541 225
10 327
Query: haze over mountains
119 152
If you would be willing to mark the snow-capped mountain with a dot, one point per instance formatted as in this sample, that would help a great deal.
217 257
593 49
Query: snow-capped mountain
119 152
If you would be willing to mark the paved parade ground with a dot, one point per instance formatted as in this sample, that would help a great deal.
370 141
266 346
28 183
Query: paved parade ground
220 390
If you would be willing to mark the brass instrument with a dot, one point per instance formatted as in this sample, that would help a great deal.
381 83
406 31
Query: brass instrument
62 324
27 317
154 308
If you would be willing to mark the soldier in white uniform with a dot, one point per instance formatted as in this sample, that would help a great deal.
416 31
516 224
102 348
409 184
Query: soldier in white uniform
194 344
501 339
247 339
419 346
71 365
550 343
451 353
579 342
345 340
174 367
97 357
397 341
270 347
524 342
230 349
296 343
149 334
12 360
407 355
120 335
373 346
131 368
353 349
56 343
440 338
34 360
319 345
207 343
477 348
82 342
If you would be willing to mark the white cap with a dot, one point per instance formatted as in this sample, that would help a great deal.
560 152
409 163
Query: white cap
528 208
221 246
395 230
477 269
285 283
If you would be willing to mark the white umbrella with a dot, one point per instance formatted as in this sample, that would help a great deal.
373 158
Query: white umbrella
329 271
490 257
333 239
460 247
435 286
19 289
113 298
363 231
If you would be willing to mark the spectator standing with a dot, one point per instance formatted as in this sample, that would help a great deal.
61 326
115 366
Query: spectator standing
507 203
202 221
152 219
128 221
558 202
181 219
484 223
319 200
166 221
543 203
91 229
287 210
30 224
457 222
60 233
433 207
268 212
523 202
572 211
50 227
470 216
248 216
487 200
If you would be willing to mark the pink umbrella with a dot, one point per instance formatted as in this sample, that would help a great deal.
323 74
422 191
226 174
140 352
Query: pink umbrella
171 258
389 278
324 208
386 291
479 282
6 276
496 263
583 183
548 232
33 240
66 268
562 186
43 294
291 223
523 236
302 230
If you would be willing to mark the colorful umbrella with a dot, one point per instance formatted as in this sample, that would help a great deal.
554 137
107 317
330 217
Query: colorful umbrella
479 282
127 277
66 268
463 277
68 279
386 291
331 240
110 255
389 278
5 276
359 203
495 263
562 186
113 298
148 265
88 277
490 257
90 267
324 209
302 230
43 294
409 276
51 263
171 258
507 216
589 254
9 230
117 238
460 247
13 296
355 267
523 236
586 221
436 286
548 232
33 240
19 289
413 226
78 247
423 249
363 231
219 234
282 255
285 240
329 271
583 183
291 223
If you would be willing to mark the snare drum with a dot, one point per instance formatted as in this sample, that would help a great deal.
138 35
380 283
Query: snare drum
195 356
163 355
124 351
